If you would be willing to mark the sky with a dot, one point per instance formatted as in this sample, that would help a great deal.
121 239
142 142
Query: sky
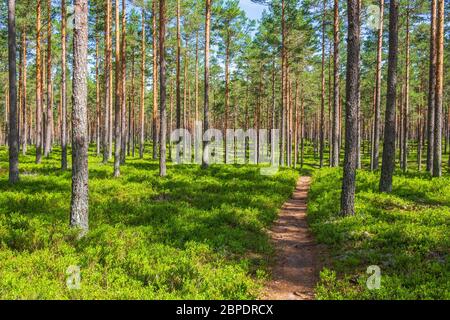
253 10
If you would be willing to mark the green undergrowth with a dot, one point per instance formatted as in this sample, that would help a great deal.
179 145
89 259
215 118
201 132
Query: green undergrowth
406 234
196 234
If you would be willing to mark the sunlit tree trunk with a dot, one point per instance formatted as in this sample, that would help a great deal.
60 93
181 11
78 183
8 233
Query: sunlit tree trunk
118 104
431 89
97 97
107 98
13 137
351 117
336 90
123 90
322 103
155 86
376 130
49 113
405 119
283 83
162 88
178 69
63 88
437 165
206 93
79 205
388 165
24 92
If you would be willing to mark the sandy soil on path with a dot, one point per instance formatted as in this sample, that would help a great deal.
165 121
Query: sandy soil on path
297 265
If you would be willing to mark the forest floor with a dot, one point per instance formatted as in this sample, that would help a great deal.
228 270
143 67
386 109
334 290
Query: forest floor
203 234
195 234
297 268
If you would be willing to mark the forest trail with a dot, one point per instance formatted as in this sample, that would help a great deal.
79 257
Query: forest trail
297 266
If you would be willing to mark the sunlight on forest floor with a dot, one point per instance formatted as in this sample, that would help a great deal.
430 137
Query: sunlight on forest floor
406 234
200 234
197 234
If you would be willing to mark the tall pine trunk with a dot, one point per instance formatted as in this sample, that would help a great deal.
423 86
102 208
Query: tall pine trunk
437 165
49 113
388 165
405 119
123 90
13 137
118 104
206 93
336 90
351 107
80 175
63 88
322 103
162 89
38 130
24 92
431 89
107 98
376 128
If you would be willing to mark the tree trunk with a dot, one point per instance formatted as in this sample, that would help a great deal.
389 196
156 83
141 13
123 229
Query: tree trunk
227 89
336 96
162 88
38 131
406 103
387 168
437 164
24 92
178 68
351 117
49 118
131 107
13 137
376 129
107 110
123 90
142 89
322 104
97 97
79 205
206 93
155 88
63 88
283 83
431 89
118 104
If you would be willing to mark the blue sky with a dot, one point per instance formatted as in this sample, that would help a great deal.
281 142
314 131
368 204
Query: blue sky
253 10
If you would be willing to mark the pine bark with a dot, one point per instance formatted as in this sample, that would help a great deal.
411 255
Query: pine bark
49 113
336 90
351 117
206 92
322 104
24 128
13 136
63 88
107 94
431 89
155 87
118 104
437 164
123 90
79 204
388 164
162 88
376 130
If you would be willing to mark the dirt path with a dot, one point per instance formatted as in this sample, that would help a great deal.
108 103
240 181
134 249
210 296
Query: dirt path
296 271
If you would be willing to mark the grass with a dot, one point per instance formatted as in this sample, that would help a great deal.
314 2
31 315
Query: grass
406 234
196 234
